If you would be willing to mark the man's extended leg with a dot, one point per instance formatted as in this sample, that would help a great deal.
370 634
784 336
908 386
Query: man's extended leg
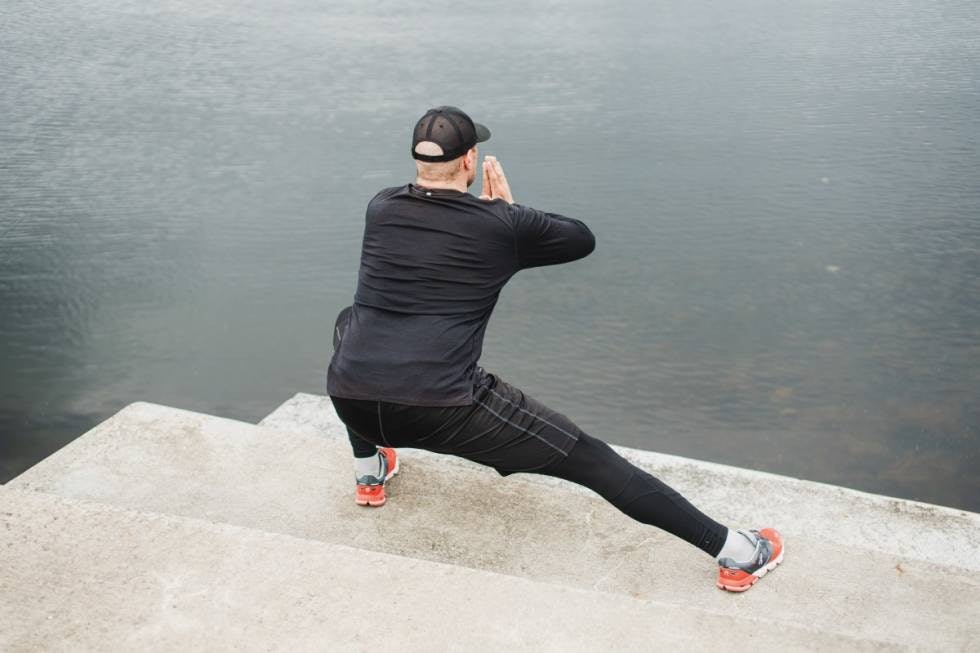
640 495
744 556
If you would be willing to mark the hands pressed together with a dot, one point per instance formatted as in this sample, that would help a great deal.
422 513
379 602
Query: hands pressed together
495 186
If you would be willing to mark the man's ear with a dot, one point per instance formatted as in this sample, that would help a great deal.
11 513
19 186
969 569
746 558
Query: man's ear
471 158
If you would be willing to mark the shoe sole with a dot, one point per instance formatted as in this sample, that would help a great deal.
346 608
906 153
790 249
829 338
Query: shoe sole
375 504
756 575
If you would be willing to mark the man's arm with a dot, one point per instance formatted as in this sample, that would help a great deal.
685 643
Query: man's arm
541 238
548 238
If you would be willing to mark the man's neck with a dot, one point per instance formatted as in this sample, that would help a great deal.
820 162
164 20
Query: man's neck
455 184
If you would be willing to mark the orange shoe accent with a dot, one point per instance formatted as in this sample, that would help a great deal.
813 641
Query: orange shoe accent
374 495
392 457
739 580
369 495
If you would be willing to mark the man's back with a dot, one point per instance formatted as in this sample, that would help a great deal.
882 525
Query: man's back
433 263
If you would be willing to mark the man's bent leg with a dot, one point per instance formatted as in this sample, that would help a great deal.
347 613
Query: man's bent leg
595 465
362 448
358 417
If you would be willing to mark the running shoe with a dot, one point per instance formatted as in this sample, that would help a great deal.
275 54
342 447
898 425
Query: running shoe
370 489
740 576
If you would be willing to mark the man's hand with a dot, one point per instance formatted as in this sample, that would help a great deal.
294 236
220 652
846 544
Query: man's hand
495 186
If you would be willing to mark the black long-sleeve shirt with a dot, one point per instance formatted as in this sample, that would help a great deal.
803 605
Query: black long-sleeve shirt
433 262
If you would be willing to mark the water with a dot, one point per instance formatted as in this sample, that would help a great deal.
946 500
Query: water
785 196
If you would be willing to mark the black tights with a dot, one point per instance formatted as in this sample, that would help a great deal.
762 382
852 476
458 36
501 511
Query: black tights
636 493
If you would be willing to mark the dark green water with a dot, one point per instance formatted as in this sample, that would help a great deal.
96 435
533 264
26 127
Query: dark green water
785 195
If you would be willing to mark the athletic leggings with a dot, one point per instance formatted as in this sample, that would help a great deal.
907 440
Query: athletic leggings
589 461
637 493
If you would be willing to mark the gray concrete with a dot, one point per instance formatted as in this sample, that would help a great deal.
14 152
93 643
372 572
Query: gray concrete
870 579
79 576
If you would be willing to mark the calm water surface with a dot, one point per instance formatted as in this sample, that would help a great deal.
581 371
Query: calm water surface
785 195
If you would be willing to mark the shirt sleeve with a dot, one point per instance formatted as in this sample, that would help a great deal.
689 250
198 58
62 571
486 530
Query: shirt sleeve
548 238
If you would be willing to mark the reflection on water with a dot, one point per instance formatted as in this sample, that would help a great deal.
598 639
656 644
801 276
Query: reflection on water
784 195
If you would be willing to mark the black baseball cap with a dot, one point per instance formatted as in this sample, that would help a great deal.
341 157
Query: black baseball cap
449 128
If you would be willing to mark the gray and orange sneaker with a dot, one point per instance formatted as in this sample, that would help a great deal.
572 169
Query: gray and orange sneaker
370 490
740 576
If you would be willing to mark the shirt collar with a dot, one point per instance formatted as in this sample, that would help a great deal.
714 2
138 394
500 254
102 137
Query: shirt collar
434 192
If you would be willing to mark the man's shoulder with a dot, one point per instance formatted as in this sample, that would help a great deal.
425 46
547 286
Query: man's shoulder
386 193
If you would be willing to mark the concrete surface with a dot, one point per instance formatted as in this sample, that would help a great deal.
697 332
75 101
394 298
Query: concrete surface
82 576
857 565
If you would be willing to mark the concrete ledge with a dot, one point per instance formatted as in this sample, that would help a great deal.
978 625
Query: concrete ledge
164 460
80 576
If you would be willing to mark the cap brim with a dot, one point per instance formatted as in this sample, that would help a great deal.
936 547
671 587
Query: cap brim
482 133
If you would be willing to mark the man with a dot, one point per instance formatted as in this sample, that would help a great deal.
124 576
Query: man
405 368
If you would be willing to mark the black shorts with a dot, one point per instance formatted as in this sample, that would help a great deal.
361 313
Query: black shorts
503 428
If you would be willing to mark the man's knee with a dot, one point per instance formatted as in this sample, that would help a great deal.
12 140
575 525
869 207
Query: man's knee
594 464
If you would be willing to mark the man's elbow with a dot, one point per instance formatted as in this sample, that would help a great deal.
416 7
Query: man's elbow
586 245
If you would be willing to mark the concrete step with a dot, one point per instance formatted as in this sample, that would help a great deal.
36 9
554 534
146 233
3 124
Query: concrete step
85 576
440 509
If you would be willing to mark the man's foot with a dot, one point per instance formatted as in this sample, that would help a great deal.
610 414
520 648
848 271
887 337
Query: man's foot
370 489
740 576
